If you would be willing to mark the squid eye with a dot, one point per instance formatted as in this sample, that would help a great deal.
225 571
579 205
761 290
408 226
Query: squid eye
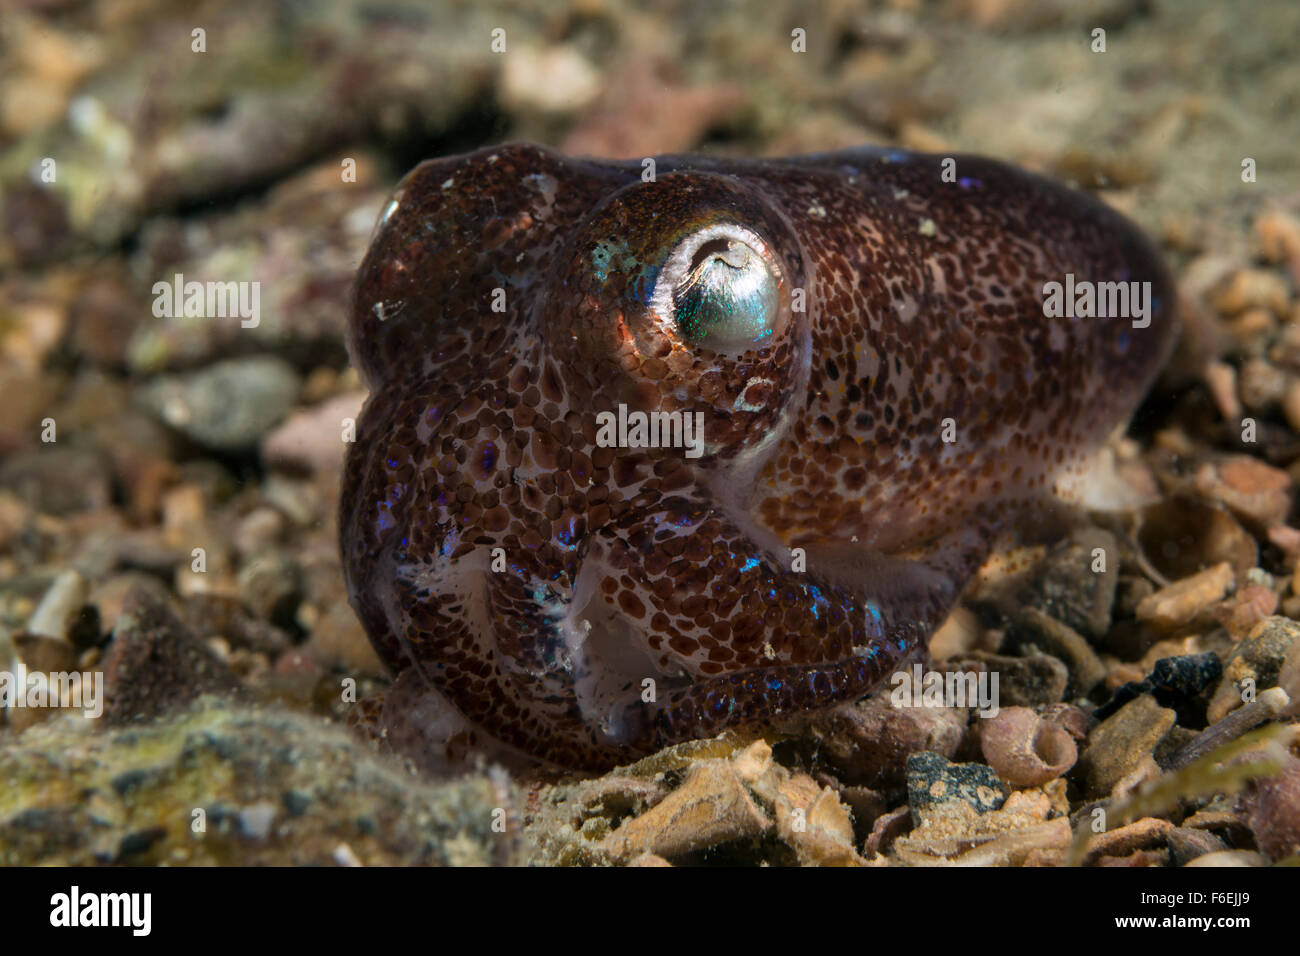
721 289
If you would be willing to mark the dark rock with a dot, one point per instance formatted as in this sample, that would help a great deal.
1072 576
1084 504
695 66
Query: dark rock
58 480
867 743
933 781
1068 588
208 614
1186 844
133 844
1174 681
1022 681
1034 628
1259 658
154 664
295 802
1121 742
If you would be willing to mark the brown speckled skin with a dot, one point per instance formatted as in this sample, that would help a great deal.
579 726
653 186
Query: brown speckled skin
923 303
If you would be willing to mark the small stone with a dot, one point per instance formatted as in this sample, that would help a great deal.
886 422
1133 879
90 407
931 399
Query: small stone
1119 744
1186 844
1259 658
1122 841
1273 811
959 633
1032 627
1230 858
1022 681
258 531
59 481
1068 587
812 821
154 664
1182 535
28 396
255 821
46 655
313 440
295 802
1278 233
933 781
1221 381
344 855
1261 384
60 606
867 743
1183 600
1258 494
228 406
270 585
1174 681
1251 603
711 807
556 80
1252 329
1248 288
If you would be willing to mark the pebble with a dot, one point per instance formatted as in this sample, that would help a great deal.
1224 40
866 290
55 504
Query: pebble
1182 535
28 397
556 80
712 806
1174 681
1183 600
1032 627
1022 681
812 820
270 584
1245 609
1261 385
227 406
1186 844
60 606
1258 658
1258 494
1247 288
1273 811
255 821
312 440
933 781
1221 381
1121 743
154 665
867 743
1127 839
1067 588
1278 233
58 480
1229 858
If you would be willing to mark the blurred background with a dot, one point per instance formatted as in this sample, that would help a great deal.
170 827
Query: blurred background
256 141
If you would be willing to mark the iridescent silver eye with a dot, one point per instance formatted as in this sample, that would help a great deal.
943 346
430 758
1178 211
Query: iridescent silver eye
721 289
